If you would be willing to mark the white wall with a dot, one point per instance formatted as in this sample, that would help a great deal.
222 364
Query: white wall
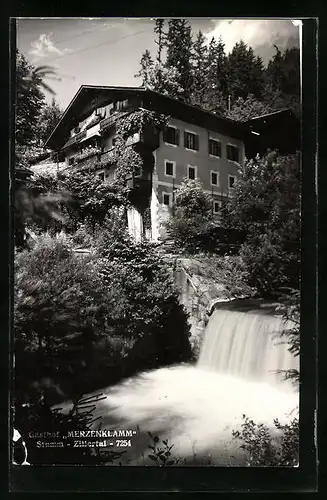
135 223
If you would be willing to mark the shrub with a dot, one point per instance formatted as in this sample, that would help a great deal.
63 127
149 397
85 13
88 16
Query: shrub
192 214
265 204
59 312
83 322
290 309
142 299
232 272
264 447
161 452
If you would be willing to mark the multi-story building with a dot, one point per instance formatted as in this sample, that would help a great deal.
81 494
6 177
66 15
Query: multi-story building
195 145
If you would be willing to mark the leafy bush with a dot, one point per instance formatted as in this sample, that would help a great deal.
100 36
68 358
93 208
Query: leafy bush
192 214
59 312
88 321
143 301
264 447
266 205
231 271
161 452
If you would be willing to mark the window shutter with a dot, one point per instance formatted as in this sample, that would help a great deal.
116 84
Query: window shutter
177 136
196 142
185 140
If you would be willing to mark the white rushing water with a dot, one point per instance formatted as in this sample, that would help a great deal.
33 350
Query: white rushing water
247 345
197 407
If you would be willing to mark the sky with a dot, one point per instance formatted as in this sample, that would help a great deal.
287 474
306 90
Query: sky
107 51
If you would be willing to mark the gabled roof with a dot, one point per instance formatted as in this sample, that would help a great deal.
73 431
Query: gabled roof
167 104
274 117
274 114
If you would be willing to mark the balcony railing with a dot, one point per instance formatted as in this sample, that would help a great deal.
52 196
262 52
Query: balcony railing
97 159
76 138
104 124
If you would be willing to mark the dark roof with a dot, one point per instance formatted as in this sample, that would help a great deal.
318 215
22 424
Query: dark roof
275 115
165 104
280 130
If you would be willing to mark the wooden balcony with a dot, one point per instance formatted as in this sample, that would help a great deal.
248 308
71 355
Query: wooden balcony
98 160
75 139
149 137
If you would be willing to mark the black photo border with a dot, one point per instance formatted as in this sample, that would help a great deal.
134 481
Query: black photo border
202 479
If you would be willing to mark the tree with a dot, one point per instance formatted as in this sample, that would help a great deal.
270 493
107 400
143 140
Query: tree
266 205
245 72
29 102
216 77
163 80
250 107
59 312
37 74
282 79
146 63
158 29
192 214
49 118
199 70
179 54
144 305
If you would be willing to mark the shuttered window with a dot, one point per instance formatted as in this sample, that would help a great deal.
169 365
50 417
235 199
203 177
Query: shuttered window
191 141
171 136
214 148
233 153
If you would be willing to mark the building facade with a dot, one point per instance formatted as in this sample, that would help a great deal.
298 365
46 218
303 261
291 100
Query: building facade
195 145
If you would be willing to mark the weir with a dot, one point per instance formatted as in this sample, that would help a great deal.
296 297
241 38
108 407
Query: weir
243 339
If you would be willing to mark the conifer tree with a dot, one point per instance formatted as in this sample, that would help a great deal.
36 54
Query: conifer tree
216 77
282 87
179 54
29 102
161 41
199 69
146 64
49 118
245 72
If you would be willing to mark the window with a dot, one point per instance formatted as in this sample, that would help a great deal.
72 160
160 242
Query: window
231 181
166 199
232 153
216 207
170 168
191 141
191 171
71 160
137 171
100 112
171 136
214 179
214 148
101 176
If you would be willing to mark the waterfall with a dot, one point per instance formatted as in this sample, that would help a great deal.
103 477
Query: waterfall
197 407
246 344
